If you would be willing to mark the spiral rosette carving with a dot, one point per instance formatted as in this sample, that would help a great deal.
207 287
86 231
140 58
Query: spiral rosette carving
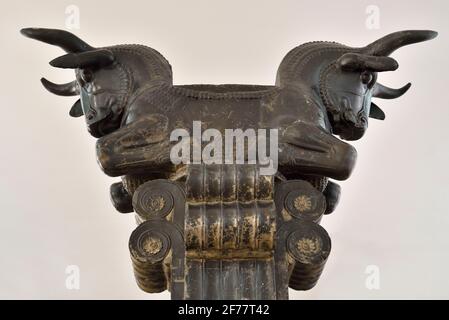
308 247
157 199
149 245
298 199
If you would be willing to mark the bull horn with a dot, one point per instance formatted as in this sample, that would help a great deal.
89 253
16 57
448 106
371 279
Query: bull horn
383 92
63 39
363 62
94 58
76 110
66 89
388 44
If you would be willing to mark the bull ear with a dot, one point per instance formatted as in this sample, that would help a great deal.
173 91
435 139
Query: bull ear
376 113
363 62
95 58
76 110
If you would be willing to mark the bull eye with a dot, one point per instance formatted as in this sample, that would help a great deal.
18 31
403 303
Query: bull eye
366 77
87 75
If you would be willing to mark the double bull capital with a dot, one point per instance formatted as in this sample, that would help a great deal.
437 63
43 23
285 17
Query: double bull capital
226 231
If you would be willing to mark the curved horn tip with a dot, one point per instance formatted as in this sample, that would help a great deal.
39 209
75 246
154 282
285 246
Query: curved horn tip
404 89
48 85
36 33
428 34
421 35
67 89
30 32
45 82
26 31
61 38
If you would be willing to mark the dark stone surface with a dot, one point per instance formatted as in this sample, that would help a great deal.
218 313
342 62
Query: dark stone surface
224 231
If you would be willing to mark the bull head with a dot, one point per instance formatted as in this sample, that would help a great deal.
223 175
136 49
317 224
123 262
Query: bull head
106 77
348 84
